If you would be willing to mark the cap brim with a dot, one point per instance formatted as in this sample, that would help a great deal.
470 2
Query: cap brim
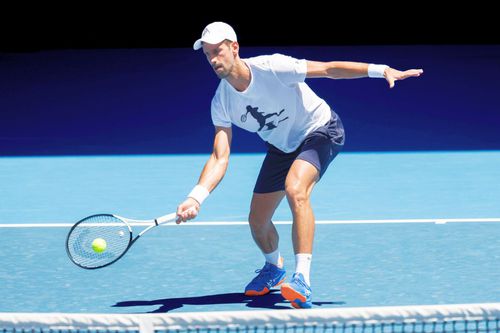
197 45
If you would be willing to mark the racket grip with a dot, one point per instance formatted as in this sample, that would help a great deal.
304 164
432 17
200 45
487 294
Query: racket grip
166 218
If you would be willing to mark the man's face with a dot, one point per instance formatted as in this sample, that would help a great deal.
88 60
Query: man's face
221 57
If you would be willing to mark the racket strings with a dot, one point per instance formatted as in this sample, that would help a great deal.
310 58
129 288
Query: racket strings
114 231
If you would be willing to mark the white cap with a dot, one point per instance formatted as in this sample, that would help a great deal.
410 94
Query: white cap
215 33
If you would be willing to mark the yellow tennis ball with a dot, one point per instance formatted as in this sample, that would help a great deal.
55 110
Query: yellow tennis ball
99 245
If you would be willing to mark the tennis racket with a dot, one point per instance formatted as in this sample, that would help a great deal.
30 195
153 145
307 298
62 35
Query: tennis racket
115 230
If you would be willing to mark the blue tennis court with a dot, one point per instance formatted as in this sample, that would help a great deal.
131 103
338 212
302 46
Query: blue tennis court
381 237
407 216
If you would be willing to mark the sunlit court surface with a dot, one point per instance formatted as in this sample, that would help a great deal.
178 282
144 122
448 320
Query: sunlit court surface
403 232
407 216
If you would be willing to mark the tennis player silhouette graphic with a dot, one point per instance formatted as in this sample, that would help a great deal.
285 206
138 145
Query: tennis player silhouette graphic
262 118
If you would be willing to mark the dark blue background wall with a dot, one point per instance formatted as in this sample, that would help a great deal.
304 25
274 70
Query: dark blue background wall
130 101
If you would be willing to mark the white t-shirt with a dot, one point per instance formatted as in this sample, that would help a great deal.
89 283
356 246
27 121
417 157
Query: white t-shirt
277 104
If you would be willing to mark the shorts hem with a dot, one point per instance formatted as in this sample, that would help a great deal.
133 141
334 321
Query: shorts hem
310 162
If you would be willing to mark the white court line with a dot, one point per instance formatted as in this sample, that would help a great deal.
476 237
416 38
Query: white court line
233 223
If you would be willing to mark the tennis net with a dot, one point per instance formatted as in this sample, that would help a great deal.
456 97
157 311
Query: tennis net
459 318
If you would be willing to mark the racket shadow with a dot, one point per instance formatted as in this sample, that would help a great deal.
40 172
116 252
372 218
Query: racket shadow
273 300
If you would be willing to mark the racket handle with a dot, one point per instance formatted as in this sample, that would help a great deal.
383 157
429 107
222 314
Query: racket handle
166 218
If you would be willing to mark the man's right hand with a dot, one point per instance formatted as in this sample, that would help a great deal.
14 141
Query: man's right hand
187 210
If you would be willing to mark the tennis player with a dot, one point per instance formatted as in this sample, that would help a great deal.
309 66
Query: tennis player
267 95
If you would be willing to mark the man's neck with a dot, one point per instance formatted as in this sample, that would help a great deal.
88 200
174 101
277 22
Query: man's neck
241 76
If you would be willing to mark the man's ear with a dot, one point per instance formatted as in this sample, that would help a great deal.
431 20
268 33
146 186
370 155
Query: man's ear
235 47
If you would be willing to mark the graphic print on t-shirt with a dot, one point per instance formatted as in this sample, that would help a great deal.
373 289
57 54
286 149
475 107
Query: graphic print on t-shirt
262 118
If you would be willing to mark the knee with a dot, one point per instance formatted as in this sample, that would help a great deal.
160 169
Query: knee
256 220
296 195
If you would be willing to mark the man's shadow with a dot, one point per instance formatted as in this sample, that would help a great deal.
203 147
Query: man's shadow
273 300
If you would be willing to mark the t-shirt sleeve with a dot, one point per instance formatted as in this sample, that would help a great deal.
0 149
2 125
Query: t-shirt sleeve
289 70
220 116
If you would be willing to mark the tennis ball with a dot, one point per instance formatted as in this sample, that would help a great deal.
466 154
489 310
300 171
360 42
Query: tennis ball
99 245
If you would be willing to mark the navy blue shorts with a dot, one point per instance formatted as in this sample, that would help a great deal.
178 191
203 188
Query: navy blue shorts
319 148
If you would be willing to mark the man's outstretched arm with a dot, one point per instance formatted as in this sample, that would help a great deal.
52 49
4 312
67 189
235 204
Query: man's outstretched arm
211 175
354 70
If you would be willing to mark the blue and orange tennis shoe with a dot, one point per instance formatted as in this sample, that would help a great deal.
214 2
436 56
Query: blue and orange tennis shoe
297 292
269 276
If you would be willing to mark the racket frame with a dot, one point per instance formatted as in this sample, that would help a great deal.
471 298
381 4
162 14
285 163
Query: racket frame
128 222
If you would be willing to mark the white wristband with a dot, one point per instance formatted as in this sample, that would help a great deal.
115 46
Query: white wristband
199 193
376 71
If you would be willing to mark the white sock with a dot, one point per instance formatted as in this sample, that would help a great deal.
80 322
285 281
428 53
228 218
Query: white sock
303 265
274 258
